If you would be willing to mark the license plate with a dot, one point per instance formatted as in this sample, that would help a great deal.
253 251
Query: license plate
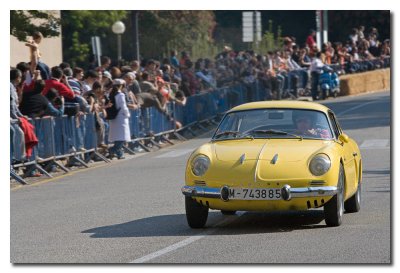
254 194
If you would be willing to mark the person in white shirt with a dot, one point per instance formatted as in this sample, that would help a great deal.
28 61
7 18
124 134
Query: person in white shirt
315 68
119 127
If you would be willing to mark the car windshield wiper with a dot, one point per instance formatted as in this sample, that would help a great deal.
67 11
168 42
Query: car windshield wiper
276 132
226 133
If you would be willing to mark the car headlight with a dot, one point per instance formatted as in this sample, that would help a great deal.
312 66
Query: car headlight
200 165
320 164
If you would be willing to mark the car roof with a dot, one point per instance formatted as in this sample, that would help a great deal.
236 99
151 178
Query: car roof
281 104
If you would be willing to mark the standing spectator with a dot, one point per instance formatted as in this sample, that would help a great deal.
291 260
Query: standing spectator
385 48
315 68
15 80
173 59
310 42
115 72
354 35
150 69
75 80
107 82
89 78
25 84
184 58
97 101
59 82
105 63
135 66
275 83
329 53
127 90
360 33
134 86
190 85
304 60
119 127
146 86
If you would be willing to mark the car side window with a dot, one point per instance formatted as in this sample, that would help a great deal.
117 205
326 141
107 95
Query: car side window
336 128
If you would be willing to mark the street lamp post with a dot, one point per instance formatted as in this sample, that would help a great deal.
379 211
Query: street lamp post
119 28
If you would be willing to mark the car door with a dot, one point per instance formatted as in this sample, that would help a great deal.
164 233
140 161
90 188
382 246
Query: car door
349 158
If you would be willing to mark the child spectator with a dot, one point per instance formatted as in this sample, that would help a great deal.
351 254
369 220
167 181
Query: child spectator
37 38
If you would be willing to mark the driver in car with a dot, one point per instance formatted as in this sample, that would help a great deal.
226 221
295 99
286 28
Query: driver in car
306 125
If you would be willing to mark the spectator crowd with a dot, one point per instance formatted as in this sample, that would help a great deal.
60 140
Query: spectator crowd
109 91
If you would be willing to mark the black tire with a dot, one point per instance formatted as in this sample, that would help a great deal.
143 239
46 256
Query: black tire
228 212
353 204
334 209
196 214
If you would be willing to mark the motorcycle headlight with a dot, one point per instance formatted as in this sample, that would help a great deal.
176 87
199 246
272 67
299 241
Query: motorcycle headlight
320 164
200 165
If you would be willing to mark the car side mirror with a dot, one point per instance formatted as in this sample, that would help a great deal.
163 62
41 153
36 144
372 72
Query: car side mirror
344 138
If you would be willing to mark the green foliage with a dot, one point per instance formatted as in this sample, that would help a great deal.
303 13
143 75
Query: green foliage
269 41
162 31
21 24
78 50
80 25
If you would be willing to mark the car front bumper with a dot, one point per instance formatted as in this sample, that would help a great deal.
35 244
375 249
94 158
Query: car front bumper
287 192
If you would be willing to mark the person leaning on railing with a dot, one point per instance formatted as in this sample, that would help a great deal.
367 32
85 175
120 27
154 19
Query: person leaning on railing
35 105
97 101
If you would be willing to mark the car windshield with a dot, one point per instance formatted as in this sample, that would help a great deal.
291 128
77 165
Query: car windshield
274 123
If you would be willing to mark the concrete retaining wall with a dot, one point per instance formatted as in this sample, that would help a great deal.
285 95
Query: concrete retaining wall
377 80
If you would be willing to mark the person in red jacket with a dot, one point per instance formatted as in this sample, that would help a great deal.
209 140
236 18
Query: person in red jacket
311 39
59 82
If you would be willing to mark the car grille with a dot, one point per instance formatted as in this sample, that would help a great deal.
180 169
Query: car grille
200 183
317 183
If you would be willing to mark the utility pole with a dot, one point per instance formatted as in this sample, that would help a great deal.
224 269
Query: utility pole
135 28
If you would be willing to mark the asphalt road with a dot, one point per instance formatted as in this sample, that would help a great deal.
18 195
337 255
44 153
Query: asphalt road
132 211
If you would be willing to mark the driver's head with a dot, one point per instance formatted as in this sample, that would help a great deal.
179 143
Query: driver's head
303 120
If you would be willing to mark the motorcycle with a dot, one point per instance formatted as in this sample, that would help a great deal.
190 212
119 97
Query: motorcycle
329 83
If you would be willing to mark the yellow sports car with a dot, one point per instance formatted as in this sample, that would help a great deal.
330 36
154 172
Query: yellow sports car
275 155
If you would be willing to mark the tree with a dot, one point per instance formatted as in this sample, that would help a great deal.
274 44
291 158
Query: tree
163 30
24 23
78 28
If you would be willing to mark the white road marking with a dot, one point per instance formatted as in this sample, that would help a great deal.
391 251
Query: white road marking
188 241
375 144
175 153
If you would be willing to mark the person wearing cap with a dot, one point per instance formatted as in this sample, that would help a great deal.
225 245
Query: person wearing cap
119 127
129 78
107 82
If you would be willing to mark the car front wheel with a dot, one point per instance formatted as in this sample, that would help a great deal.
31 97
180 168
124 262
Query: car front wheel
196 214
334 209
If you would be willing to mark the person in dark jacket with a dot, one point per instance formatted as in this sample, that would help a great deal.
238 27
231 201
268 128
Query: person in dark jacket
34 104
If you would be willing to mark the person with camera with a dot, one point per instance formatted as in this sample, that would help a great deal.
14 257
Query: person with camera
55 106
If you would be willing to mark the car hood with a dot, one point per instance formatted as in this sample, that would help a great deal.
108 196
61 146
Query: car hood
287 150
